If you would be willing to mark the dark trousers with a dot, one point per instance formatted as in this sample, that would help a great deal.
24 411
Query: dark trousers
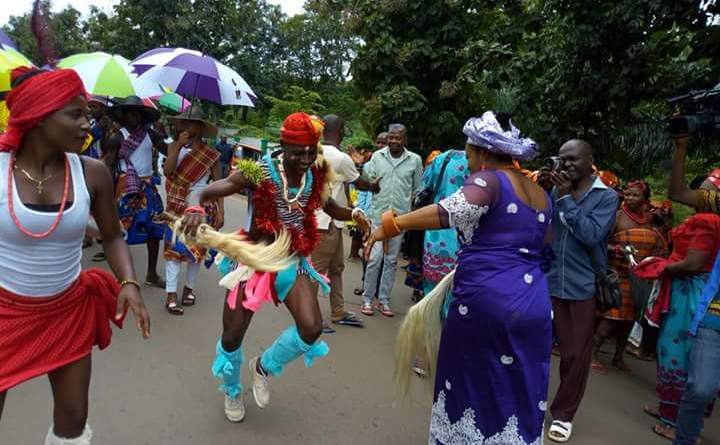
574 323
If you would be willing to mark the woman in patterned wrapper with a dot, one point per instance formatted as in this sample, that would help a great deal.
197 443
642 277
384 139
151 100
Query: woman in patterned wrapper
494 354
285 192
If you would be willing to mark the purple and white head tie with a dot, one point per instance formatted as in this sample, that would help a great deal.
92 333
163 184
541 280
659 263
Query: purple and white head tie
486 132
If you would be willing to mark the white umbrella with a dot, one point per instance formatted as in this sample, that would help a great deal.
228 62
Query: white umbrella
109 75
194 74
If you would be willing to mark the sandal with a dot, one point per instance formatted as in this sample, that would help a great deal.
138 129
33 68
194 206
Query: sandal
622 366
664 431
599 367
188 298
358 291
652 411
668 432
172 306
560 432
327 329
350 319
98 257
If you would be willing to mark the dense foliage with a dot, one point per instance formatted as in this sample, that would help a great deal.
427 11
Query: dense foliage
599 69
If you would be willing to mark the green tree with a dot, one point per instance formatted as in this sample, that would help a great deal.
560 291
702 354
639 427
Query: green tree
318 47
410 59
599 70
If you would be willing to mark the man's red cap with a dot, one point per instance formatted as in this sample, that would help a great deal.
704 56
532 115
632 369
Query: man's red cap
299 129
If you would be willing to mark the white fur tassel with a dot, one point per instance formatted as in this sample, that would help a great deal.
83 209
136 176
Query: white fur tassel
242 273
272 257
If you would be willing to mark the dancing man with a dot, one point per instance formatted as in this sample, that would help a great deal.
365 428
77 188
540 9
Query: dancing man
285 192
189 167
130 153
51 312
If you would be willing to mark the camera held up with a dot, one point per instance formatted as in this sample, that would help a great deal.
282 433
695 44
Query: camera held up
554 163
700 114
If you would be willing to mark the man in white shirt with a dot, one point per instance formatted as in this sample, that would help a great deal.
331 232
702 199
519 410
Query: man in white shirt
328 258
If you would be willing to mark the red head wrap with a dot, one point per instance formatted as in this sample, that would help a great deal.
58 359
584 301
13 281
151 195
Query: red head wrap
608 178
299 129
34 99
639 184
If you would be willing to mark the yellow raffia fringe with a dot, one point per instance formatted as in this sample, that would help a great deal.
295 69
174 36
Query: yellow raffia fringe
419 335
263 257
4 115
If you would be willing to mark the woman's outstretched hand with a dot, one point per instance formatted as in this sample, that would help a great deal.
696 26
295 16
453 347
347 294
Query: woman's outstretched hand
377 235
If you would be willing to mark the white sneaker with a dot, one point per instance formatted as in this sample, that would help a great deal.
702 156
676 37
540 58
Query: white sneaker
234 408
261 385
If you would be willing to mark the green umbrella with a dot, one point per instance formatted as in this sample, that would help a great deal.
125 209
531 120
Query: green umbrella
172 101
109 75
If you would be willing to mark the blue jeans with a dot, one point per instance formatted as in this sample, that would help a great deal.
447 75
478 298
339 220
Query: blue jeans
381 269
702 386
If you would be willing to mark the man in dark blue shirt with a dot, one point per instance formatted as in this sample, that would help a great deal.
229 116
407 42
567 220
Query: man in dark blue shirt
584 215
226 155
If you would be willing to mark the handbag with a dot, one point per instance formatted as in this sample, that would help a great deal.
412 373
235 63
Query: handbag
640 289
427 195
607 286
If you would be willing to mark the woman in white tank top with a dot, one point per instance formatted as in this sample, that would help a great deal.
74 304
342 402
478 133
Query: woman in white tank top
51 312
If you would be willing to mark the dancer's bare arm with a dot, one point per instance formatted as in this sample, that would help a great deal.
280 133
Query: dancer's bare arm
100 185
235 183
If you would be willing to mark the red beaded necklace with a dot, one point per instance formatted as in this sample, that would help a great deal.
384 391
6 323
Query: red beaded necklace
640 219
11 205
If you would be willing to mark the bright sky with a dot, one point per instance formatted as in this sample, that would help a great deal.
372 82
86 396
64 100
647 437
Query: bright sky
19 7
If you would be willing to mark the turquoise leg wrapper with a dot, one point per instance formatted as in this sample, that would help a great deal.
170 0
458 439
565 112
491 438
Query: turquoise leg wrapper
289 346
227 367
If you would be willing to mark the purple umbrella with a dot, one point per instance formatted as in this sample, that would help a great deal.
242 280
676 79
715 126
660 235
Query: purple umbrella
194 74
6 42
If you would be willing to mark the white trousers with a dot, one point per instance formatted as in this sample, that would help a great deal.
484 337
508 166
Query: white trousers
172 275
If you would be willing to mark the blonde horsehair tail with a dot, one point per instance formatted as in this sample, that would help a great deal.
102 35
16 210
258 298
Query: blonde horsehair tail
419 335
272 257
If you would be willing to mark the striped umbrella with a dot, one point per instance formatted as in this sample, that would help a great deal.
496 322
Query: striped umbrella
194 74
10 58
109 75
171 101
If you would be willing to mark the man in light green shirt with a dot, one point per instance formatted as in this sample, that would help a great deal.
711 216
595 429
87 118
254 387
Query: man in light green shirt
400 174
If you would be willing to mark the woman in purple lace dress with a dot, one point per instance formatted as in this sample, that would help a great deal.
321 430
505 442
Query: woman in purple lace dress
494 354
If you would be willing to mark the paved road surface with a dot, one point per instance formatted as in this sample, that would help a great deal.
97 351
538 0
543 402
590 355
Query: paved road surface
161 392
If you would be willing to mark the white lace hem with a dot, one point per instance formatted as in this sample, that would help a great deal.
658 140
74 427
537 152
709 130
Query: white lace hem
464 431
